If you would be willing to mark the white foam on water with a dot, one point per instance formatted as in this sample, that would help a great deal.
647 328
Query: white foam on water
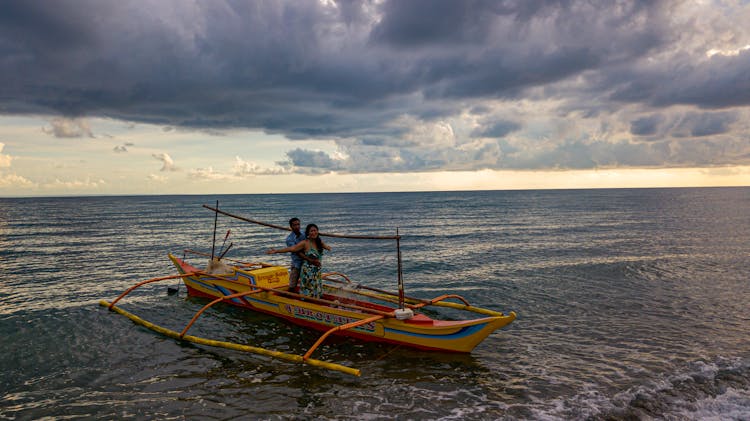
734 404
705 391
585 404
428 401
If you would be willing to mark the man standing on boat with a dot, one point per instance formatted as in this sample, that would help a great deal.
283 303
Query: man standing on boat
295 237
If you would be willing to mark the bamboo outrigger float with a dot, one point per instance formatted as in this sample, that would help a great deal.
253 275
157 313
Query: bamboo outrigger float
345 309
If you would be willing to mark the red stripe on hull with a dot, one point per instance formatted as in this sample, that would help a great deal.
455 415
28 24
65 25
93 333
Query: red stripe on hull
322 328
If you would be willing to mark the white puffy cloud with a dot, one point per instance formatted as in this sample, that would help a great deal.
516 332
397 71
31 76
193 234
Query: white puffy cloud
77 185
166 160
5 160
69 128
157 178
207 173
431 134
15 181
242 169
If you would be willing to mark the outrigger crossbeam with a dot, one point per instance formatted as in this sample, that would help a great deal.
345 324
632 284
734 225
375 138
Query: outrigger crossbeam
229 345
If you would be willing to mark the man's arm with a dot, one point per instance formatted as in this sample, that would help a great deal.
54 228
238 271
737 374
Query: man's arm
309 259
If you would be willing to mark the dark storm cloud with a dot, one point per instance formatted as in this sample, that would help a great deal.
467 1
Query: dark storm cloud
708 124
427 22
36 26
312 160
374 76
270 64
497 129
645 126
718 82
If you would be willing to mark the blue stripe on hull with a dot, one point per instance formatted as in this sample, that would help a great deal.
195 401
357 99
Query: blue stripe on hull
464 332
225 292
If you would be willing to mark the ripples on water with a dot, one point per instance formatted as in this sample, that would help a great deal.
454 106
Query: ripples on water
631 303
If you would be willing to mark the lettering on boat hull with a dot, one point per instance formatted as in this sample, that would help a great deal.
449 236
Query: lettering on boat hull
327 318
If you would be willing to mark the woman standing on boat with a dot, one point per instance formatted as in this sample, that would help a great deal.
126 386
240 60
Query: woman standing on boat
310 279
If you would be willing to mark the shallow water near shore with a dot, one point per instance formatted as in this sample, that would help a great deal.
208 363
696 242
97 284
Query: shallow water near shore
631 303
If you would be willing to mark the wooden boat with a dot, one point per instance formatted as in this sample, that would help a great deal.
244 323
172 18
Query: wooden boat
345 309
337 308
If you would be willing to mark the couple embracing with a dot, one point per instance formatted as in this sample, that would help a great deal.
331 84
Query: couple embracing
307 253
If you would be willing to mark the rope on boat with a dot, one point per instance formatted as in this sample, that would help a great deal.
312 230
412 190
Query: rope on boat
230 345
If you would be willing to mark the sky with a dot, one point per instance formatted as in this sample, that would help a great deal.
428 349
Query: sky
198 97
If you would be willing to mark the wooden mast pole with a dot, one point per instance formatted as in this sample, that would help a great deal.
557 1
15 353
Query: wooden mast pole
216 220
400 272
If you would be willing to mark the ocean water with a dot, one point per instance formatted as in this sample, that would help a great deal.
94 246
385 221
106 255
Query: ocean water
632 304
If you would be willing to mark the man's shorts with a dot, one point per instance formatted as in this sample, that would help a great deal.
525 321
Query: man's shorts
293 278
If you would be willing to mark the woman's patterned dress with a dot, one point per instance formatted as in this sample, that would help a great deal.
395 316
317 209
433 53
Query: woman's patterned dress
310 278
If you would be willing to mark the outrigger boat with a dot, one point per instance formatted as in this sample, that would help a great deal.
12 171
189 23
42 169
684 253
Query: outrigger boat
345 309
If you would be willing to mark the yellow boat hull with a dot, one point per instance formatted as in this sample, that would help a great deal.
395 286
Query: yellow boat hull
419 331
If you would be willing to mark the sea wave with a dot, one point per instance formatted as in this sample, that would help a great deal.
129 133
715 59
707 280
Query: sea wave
715 390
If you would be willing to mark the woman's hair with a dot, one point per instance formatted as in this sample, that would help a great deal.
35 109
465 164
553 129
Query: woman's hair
318 241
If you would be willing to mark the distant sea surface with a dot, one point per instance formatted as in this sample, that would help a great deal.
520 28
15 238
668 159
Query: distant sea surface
631 303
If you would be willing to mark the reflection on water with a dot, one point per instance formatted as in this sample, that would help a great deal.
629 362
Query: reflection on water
631 304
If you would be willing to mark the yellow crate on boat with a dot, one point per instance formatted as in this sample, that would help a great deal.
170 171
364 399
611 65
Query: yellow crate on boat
269 277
